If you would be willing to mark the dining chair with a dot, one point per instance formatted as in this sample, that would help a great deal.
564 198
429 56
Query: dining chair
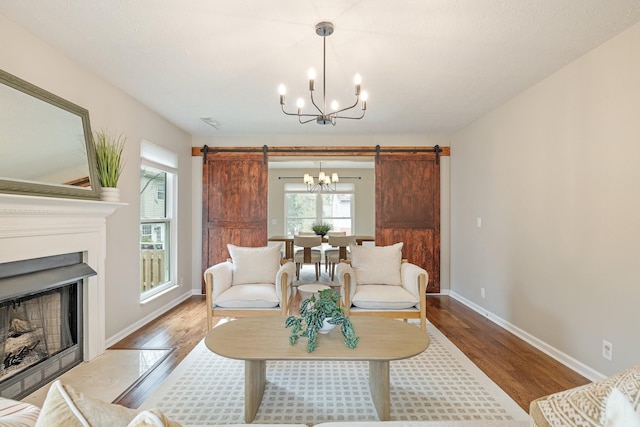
330 250
339 251
309 254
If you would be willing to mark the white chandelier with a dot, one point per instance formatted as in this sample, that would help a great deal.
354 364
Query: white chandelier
325 116
325 182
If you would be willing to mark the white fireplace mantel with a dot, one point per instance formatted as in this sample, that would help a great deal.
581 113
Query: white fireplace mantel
35 227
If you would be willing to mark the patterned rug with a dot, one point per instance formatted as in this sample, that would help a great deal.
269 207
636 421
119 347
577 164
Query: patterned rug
440 384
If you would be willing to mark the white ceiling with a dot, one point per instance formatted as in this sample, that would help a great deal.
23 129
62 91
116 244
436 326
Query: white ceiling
430 66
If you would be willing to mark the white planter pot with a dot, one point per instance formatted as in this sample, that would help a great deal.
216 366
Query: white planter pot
109 194
326 327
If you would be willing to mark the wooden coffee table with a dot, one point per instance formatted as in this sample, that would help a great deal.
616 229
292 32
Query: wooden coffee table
258 339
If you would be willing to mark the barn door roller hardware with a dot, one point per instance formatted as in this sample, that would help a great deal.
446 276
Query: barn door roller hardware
376 151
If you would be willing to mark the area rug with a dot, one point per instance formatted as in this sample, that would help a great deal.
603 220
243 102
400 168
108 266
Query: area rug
441 384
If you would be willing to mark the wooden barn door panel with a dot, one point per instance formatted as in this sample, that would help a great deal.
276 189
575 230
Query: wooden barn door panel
234 204
408 209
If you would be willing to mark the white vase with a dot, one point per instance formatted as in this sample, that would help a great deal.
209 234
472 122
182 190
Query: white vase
326 326
110 194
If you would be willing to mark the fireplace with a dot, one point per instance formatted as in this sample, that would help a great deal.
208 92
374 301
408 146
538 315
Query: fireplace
40 321
37 228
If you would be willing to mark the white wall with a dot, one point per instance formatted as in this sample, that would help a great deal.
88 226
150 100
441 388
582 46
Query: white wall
38 63
554 176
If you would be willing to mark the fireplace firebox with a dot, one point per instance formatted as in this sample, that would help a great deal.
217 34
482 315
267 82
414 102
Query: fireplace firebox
40 321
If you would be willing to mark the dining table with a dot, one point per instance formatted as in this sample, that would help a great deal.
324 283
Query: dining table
288 244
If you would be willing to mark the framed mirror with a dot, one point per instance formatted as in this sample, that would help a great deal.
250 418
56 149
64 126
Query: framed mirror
46 143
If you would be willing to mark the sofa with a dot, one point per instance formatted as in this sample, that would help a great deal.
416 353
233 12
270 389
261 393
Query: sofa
611 402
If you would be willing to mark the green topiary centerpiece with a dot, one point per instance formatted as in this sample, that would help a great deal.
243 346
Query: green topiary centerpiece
320 228
313 312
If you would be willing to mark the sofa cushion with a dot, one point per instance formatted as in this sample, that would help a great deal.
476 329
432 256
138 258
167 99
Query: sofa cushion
377 265
65 407
586 405
254 265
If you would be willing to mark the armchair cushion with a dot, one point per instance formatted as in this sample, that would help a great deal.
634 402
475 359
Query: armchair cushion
383 297
249 296
377 265
254 265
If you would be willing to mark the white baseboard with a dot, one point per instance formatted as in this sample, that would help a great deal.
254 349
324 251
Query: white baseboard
551 351
159 312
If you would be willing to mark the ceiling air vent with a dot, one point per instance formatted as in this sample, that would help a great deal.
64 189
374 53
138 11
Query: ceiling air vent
211 122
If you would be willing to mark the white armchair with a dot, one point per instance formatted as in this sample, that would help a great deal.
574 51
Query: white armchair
378 282
254 282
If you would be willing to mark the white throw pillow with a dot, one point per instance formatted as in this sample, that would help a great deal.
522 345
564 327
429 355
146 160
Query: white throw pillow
377 265
254 265
65 407
17 414
594 404
619 411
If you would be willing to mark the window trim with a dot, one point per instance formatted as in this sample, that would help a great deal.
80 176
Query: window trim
165 160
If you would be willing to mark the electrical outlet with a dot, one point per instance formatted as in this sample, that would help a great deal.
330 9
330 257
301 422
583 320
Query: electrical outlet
181 281
607 350
482 292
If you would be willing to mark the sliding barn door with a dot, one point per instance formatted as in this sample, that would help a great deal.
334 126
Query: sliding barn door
408 209
234 204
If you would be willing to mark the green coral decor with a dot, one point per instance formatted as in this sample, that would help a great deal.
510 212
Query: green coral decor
321 229
109 158
313 312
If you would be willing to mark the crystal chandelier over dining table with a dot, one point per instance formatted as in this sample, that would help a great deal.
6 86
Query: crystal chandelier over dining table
325 115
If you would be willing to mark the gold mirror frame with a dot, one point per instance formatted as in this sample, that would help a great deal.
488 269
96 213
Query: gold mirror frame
84 187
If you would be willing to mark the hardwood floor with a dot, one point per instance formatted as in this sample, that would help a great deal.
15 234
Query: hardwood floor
517 367
181 328
521 370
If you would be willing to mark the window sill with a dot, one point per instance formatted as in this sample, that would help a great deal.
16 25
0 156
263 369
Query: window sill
158 295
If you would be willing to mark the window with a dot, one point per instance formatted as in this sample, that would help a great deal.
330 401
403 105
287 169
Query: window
158 201
302 208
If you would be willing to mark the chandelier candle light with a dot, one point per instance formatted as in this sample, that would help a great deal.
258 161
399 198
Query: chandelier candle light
324 181
324 115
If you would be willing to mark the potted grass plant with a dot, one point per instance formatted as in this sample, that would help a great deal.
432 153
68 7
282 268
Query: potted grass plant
110 163
320 314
